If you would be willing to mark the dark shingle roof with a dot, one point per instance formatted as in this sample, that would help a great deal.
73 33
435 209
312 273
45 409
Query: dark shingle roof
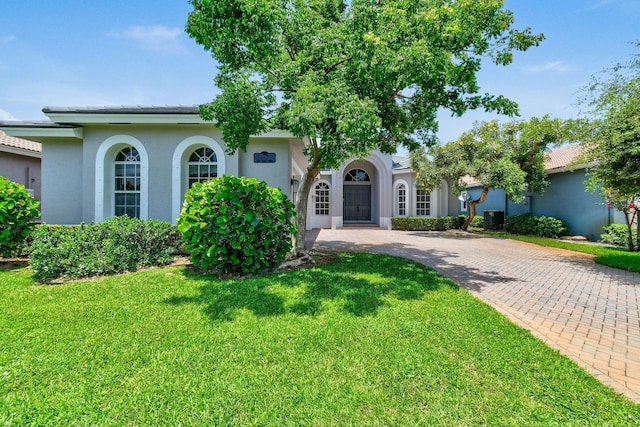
124 109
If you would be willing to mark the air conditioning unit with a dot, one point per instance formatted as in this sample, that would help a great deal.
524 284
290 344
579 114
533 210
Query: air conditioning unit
493 220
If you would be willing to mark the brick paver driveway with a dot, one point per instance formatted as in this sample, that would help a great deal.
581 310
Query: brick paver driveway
587 311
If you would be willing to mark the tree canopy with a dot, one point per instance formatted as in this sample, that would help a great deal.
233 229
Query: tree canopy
347 77
508 156
613 138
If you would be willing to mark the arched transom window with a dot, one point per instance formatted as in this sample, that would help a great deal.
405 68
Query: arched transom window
322 198
357 175
127 182
202 165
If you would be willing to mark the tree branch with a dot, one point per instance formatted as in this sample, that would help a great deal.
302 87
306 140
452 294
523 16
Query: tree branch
395 93
336 65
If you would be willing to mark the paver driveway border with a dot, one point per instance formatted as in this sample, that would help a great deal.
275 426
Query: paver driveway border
586 311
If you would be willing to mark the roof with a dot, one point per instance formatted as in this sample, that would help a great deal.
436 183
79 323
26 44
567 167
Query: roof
400 162
22 144
562 157
124 109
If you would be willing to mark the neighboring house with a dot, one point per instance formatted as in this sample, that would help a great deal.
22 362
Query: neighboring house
20 162
98 162
566 197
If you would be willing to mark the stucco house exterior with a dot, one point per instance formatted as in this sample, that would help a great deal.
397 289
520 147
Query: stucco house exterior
98 162
566 197
20 162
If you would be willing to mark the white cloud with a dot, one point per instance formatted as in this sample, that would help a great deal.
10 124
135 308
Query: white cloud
155 38
6 116
549 66
6 39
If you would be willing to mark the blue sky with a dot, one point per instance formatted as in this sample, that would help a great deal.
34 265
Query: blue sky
127 52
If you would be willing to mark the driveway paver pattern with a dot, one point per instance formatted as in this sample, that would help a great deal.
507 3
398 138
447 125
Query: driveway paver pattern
586 311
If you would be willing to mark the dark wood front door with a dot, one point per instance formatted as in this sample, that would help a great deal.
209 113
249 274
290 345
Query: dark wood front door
357 203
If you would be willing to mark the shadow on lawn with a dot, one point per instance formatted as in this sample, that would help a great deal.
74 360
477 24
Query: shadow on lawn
359 283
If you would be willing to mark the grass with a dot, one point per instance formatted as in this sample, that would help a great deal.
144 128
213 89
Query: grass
364 340
606 255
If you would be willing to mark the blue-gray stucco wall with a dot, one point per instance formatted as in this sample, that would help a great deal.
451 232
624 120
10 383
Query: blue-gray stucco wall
564 198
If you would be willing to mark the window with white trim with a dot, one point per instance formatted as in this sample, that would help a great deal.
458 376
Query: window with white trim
202 165
127 182
423 202
322 198
402 200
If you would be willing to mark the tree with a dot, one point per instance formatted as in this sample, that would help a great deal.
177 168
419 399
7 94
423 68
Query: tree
613 139
349 76
509 156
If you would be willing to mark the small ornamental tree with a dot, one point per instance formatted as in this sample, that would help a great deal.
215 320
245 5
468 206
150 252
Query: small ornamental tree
508 156
234 225
17 210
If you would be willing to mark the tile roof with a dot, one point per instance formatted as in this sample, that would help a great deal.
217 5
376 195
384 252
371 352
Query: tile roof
125 109
10 141
562 157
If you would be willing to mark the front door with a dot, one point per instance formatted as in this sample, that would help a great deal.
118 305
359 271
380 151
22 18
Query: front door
357 203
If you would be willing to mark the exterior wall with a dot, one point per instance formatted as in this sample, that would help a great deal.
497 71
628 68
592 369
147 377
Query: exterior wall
62 183
564 198
24 170
274 174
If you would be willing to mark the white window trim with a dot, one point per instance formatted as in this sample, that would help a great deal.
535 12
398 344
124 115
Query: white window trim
179 163
415 204
104 166
313 196
396 200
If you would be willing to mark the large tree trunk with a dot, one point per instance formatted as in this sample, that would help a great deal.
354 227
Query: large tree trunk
303 198
472 207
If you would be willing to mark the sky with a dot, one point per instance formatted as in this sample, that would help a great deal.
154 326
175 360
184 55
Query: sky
66 53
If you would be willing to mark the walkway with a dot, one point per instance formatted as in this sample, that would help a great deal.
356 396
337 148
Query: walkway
587 311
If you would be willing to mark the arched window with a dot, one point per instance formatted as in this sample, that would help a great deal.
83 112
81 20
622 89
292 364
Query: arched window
357 175
127 182
423 202
402 200
322 198
202 165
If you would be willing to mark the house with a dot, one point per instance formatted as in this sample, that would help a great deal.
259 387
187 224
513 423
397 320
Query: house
20 162
566 197
98 162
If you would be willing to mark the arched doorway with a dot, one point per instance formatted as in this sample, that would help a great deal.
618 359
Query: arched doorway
357 196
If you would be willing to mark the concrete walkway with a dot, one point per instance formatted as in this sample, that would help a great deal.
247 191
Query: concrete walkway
586 311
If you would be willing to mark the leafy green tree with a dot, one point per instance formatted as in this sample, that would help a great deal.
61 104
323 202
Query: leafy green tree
613 139
509 156
349 76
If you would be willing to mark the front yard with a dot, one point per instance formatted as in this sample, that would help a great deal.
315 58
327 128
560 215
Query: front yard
364 340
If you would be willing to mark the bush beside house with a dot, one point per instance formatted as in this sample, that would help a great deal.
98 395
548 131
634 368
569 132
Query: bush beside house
116 245
17 211
408 223
234 225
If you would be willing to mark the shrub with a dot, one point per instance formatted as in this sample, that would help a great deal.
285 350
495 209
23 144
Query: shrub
421 223
17 210
543 226
477 222
234 225
618 234
116 245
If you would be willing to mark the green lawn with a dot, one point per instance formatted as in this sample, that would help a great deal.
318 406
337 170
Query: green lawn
365 340
613 257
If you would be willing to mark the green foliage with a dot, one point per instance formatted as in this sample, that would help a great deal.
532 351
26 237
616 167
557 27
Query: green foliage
357 75
477 222
17 210
236 225
617 234
421 223
116 245
543 226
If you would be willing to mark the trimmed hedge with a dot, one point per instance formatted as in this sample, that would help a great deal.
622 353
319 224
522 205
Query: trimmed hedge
543 226
422 223
116 245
